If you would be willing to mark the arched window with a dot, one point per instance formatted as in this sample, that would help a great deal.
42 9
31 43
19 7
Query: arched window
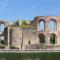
53 38
52 25
41 38
42 25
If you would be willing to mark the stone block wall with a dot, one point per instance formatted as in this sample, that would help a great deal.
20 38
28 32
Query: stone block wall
47 31
20 37
29 35
16 37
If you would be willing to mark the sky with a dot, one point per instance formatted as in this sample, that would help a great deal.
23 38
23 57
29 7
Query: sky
13 10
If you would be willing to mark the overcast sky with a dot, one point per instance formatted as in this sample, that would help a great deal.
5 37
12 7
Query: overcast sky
28 9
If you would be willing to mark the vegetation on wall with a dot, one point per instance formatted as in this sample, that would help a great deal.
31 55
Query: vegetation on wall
2 46
23 24
13 47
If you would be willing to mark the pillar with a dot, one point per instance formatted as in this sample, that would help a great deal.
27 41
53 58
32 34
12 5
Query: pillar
47 36
58 31
38 27
8 37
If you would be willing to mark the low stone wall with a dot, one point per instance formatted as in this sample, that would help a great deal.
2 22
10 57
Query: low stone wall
41 47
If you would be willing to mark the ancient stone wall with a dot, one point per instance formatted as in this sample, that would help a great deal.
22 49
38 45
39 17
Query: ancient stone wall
23 37
47 31
29 35
20 37
16 37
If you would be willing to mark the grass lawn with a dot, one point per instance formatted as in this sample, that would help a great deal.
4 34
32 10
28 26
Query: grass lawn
30 56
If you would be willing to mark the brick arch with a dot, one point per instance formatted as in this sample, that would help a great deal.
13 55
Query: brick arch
39 18
40 21
1 22
53 38
6 23
55 23
41 38
53 19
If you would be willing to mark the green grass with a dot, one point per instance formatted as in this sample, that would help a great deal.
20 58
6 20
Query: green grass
31 56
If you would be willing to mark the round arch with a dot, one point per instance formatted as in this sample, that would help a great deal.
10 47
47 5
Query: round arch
3 24
53 25
53 38
6 23
41 25
41 38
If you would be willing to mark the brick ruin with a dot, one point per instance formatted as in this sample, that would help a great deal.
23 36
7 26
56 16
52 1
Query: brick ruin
33 38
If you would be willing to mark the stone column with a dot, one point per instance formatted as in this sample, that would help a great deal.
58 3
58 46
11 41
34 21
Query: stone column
47 33
58 32
47 39
8 37
38 27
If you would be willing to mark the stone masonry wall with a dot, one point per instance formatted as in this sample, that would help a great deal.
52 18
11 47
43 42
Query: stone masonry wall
47 31
29 35
20 37
16 37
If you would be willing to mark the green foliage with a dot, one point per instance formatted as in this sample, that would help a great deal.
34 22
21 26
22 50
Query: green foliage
2 46
27 26
13 47
31 56
24 22
2 42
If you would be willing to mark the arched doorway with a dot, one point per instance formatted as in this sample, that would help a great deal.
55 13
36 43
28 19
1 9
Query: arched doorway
41 38
53 38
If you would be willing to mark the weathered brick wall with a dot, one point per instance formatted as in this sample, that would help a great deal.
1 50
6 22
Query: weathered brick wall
22 36
16 37
47 31
29 35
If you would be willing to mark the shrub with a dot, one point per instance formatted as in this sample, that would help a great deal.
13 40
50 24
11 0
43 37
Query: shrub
13 47
2 46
